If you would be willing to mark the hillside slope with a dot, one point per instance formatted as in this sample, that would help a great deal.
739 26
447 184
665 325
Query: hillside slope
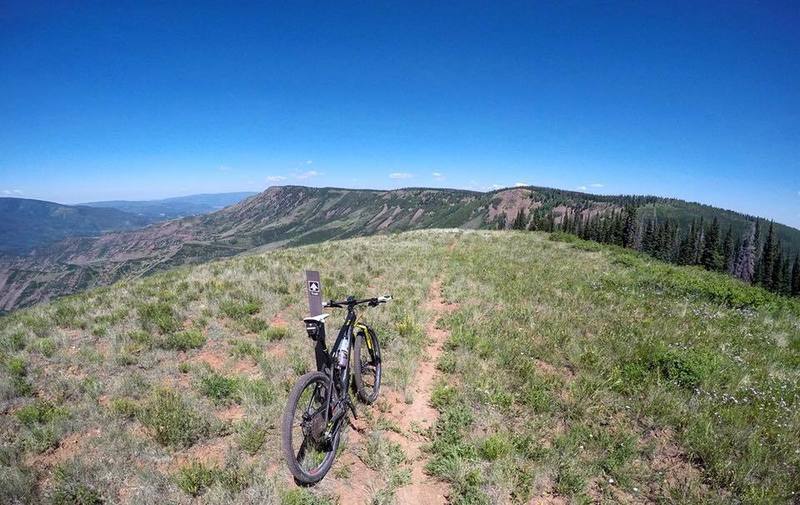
569 372
27 224
294 215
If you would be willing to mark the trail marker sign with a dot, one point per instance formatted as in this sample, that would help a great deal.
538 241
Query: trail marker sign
314 287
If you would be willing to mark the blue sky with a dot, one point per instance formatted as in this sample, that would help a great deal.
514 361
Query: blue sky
696 100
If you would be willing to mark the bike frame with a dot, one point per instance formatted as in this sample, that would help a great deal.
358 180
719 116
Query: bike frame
326 359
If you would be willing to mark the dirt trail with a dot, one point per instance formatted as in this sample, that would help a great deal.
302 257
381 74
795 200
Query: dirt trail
419 415
413 419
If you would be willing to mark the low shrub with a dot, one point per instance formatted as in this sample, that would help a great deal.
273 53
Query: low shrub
195 478
239 310
72 489
275 333
183 340
219 388
251 437
170 420
13 342
124 407
494 447
160 316
40 412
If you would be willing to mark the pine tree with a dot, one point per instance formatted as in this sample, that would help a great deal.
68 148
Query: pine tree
664 241
776 279
565 220
768 258
521 221
796 276
728 251
501 221
630 225
699 244
785 280
757 274
711 258
648 240
686 249
746 258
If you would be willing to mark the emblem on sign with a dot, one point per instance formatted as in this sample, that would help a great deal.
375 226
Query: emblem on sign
314 292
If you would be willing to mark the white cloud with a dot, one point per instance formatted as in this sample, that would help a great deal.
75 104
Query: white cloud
520 184
400 175
495 186
224 168
12 192
308 162
581 188
438 176
307 175
275 178
597 185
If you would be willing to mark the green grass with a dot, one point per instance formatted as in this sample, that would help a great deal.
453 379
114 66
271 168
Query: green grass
170 420
195 478
40 412
585 350
275 333
126 362
583 372
219 388
159 316
251 437
182 340
71 487
239 309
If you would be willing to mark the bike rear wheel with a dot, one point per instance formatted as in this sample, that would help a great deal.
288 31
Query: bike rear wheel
308 454
367 366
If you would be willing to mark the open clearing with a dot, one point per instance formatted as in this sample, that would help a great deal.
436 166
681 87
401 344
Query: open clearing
518 369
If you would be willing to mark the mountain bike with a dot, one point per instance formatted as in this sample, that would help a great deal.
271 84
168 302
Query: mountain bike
320 400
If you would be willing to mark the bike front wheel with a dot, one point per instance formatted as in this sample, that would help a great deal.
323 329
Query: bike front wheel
308 452
367 366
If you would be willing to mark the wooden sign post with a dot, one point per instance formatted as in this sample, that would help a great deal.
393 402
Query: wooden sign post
314 288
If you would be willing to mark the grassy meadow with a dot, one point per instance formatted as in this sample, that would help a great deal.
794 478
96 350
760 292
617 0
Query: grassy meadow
573 373
172 387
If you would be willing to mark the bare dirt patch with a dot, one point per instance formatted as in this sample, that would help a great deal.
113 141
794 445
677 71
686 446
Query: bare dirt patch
360 486
209 453
232 413
72 445
213 354
546 368
670 463
279 320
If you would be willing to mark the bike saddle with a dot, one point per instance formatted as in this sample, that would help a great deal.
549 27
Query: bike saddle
316 319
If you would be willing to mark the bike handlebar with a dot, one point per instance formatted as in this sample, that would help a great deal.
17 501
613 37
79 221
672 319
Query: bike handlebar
352 302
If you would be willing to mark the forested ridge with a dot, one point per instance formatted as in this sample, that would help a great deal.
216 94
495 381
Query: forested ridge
755 255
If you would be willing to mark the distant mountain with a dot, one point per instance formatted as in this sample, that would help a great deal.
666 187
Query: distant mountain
171 208
293 215
27 224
